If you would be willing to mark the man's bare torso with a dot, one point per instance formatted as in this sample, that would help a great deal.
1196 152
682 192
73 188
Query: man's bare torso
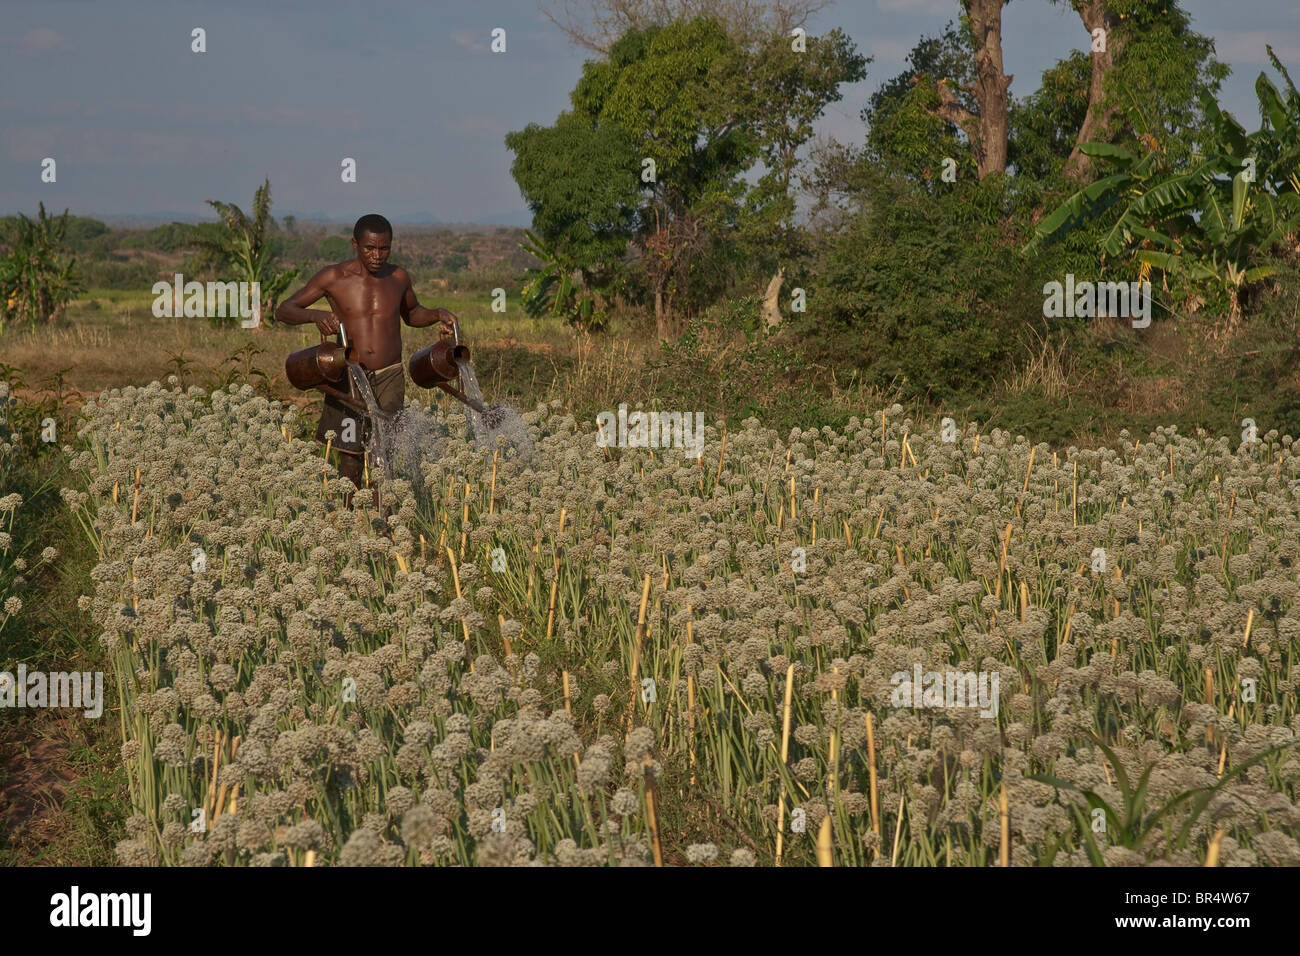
369 306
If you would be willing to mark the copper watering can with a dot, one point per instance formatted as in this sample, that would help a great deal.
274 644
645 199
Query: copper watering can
435 365
322 367
314 366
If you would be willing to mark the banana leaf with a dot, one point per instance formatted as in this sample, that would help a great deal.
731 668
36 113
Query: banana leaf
1169 242
1118 154
1257 273
1087 201
1270 103
1239 189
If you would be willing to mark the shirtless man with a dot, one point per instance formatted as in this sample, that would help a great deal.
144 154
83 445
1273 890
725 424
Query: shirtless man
368 295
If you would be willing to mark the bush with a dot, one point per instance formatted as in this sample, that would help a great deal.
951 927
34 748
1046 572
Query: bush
171 237
924 291
456 262
81 231
335 249
106 274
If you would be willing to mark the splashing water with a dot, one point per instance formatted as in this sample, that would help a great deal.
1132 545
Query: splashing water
399 442
416 437
494 421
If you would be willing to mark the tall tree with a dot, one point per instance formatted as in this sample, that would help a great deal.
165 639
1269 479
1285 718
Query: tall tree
1104 47
580 181
671 90
985 129
783 91
905 132
779 91
1149 63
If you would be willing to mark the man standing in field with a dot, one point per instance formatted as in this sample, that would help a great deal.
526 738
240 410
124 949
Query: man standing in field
368 296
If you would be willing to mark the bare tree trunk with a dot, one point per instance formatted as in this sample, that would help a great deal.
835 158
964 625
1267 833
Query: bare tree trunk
661 330
1094 14
987 130
991 85
771 300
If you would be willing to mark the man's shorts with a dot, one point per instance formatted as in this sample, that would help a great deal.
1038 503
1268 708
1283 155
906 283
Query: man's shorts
389 388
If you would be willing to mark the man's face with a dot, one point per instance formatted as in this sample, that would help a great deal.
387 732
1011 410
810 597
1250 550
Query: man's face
373 250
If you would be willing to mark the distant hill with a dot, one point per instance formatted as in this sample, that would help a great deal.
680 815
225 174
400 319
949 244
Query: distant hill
147 220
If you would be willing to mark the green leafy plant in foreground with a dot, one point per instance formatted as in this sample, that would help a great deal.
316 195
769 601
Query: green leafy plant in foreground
1131 825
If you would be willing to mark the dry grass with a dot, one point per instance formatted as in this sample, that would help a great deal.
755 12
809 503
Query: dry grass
112 339
1049 369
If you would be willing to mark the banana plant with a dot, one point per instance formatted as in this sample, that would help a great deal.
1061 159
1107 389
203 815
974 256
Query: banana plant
1210 222
551 288
36 282
244 245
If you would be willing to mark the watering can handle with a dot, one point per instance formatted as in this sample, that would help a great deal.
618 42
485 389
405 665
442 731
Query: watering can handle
343 336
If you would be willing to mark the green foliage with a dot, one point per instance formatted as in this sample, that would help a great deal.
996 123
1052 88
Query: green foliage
170 237
666 87
551 288
81 230
1214 219
740 314
111 274
455 262
921 291
904 131
1131 824
705 109
334 248
1045 124
782 94
582 185
237 369
673 92
244 246
1165 71
35 280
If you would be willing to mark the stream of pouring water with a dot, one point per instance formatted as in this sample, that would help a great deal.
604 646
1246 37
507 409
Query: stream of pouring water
380 446
495 421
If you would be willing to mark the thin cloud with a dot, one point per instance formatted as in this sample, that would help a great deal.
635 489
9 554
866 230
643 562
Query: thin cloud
469 40
39 41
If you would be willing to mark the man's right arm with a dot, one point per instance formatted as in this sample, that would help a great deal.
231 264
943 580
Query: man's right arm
294 311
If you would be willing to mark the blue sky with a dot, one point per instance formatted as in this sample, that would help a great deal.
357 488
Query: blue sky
139 124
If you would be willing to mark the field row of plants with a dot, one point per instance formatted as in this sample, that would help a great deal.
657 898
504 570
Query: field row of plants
627 656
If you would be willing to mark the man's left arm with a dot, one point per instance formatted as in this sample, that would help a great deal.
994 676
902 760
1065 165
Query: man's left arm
418 317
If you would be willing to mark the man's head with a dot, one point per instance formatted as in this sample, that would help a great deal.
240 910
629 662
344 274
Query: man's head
372 238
